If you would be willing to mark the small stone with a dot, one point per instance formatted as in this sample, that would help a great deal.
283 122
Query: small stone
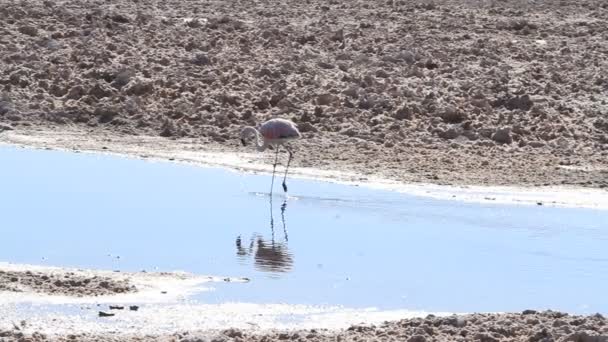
450 133
382 74
325 65
105 314
101 91
120 18
325 99
233 333
524 103
29 30
352 92
116 307
167 129
536 144
75 93
5 127
403 113
503 136
307 127
105 114
417 338
133 307
201 59
451 114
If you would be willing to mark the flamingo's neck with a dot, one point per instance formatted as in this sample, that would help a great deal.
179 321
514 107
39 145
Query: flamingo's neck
259 142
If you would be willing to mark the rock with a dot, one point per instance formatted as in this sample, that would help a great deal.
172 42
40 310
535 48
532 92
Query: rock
406 56
116 307
105 114
382 73
529 312
167 129
122 78
105 314
403 113
201 59
562 143
5 127
307 127
352 92
233 333
519 102
29 30
120 18
337 35
325 65
583 336
451 114
349 131
326 99
503 136
431 64
541 335
133 307
75 93
536 144
101 90
417 338
484 337
450 133
138 86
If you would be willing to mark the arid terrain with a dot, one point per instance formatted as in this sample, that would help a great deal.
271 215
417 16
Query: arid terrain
453 92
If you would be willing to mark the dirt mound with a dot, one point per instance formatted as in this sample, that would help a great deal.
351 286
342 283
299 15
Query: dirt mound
62 283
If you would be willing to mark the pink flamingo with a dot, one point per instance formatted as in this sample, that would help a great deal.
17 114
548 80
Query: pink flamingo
272 134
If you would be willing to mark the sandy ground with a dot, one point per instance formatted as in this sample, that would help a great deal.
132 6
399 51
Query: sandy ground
527 326
448 92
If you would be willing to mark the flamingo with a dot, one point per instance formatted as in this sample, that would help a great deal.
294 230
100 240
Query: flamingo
273 134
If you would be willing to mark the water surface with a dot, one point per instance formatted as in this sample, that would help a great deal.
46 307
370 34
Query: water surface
324 244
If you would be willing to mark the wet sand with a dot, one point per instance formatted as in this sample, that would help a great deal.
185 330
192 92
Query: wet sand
445 92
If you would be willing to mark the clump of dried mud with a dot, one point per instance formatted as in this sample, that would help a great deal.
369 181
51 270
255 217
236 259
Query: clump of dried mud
466 92
527 326
62 283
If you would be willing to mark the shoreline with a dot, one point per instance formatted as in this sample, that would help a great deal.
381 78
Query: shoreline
188 152
171 317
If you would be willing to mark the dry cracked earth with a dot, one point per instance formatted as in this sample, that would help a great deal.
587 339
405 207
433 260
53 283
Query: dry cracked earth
451 92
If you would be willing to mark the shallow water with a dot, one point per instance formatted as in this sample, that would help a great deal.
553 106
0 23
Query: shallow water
324 244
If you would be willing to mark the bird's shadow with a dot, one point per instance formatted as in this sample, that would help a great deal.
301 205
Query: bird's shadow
269 255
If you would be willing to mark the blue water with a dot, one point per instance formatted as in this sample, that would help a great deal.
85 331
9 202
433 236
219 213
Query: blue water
328 243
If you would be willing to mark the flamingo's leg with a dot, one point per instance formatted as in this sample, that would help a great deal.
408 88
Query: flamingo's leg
274 167
287 167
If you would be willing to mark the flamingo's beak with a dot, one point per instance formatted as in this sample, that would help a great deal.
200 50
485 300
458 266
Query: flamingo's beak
243 142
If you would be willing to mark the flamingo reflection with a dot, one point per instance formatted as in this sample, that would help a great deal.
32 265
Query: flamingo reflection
269 255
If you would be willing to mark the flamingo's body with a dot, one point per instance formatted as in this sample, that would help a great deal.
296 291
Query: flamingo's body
273 133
